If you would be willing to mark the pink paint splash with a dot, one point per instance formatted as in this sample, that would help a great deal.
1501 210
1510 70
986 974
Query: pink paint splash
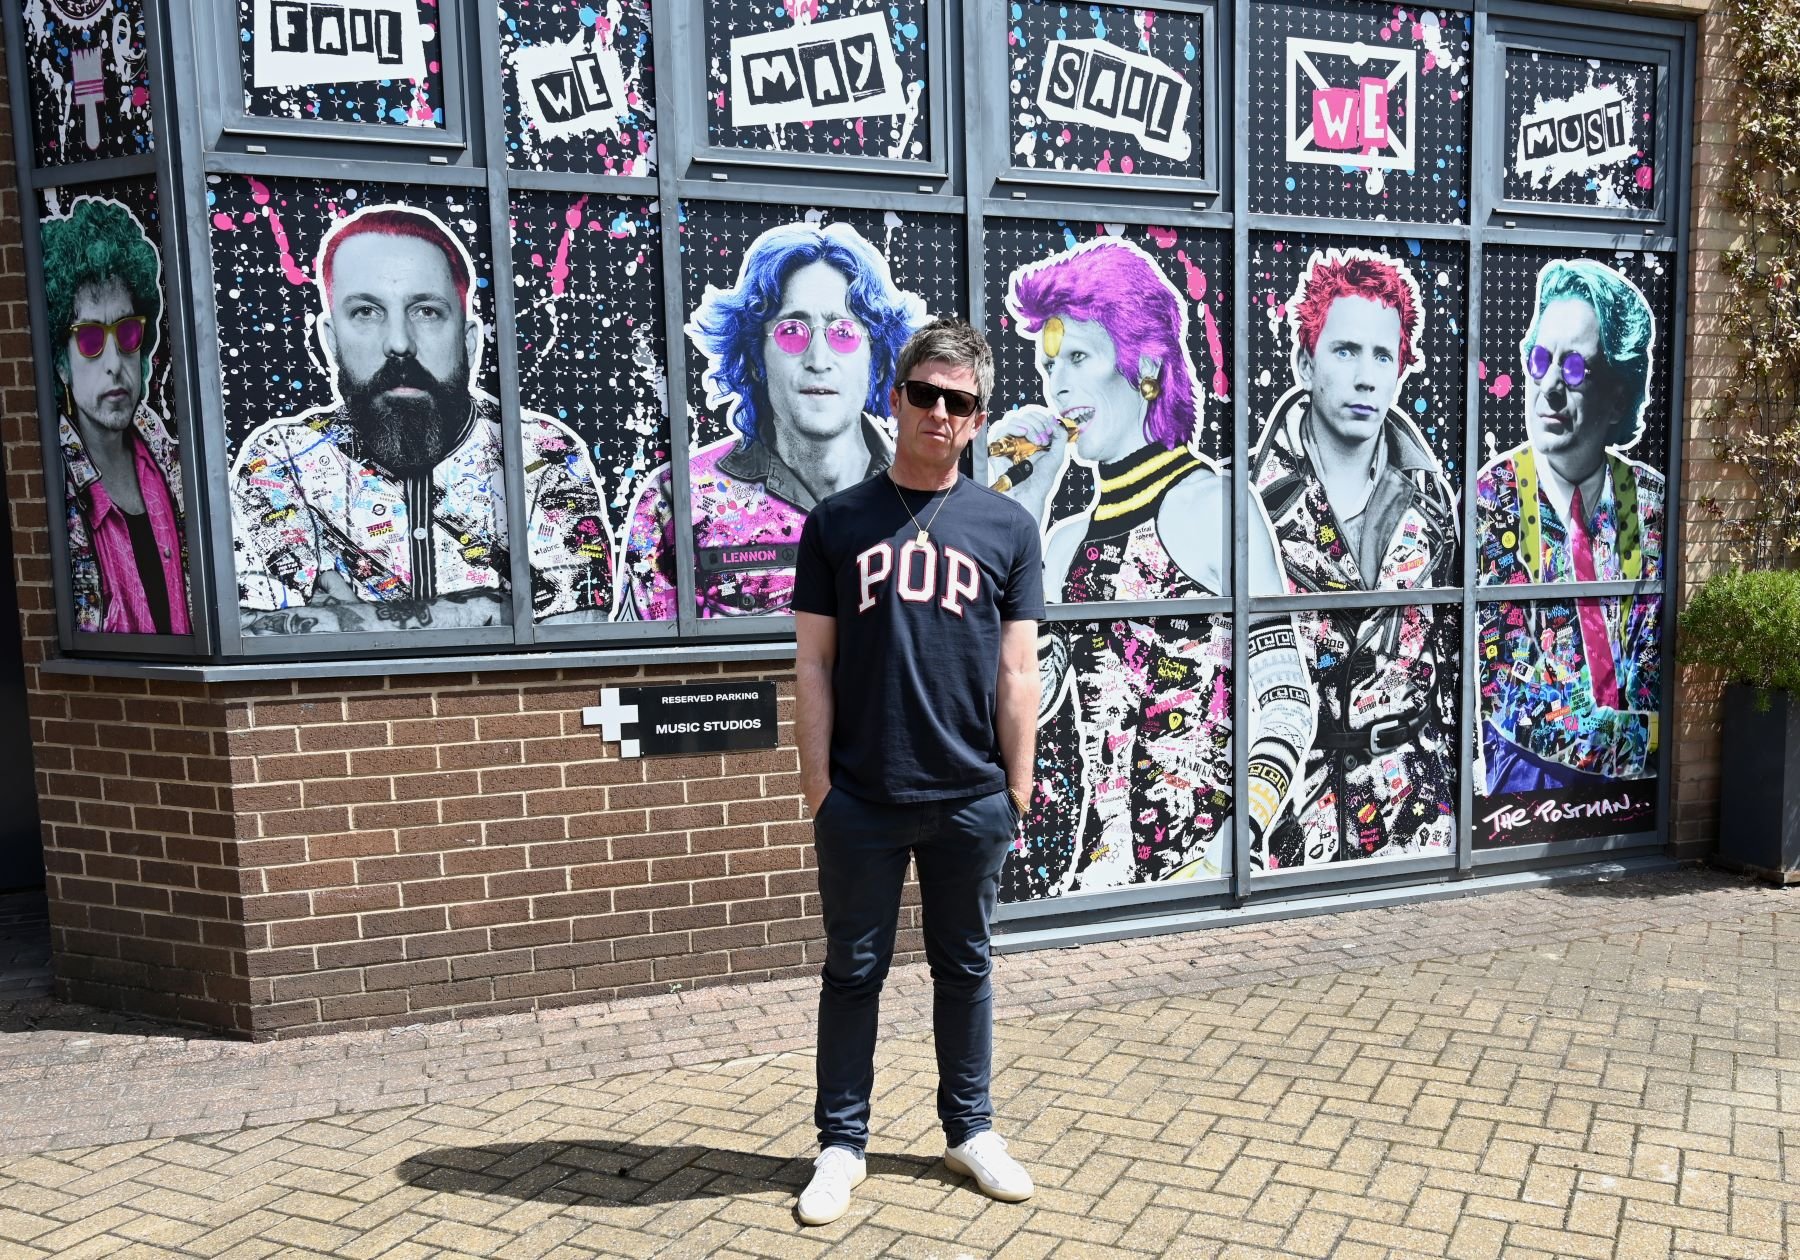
1221 383
1645 177
259 193
1502 386
1126 164
559 270
1104 165
801 10
1164 237
1481 370
1196 278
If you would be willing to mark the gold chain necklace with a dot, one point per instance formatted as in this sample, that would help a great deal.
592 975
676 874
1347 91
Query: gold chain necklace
924 530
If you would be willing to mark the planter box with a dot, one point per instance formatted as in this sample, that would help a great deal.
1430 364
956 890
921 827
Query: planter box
1759 785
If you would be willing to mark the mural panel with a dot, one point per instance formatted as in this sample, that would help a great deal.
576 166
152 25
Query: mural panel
1580 131
1571 693
1362 111
578 91
1357 354
1133 777
587 316
1571 689
90 80
1109 89
366 61
375 499
121 447
837 77
796 320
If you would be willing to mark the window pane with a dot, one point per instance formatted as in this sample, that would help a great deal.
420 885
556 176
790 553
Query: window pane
1358 363
1580 131
1595 421
846 78
579 91
779 424
336 63
367 480
1120 466
90 80
1571 693
587 314
1117 92
104 298
1360 111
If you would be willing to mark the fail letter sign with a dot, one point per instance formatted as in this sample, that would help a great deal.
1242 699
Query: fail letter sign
295 43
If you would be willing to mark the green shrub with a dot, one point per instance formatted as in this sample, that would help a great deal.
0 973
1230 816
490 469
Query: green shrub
1747 624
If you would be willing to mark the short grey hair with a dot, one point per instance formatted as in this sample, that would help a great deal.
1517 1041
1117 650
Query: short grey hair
956 343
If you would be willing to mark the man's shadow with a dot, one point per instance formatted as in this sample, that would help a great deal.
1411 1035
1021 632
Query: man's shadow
630 1174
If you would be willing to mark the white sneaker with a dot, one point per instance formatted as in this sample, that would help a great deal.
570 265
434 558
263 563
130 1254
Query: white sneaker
836 1172
984 1158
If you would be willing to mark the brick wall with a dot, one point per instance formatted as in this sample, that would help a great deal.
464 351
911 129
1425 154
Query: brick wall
278 858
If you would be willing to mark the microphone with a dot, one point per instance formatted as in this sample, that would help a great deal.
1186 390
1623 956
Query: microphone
1020 449
1014 476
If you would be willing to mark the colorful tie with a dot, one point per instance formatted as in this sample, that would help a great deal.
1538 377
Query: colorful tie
1596 644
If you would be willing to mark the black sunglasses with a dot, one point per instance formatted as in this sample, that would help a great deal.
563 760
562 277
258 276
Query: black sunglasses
924 395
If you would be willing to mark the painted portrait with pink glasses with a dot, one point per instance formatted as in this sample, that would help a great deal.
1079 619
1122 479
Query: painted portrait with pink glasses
801 352
121 457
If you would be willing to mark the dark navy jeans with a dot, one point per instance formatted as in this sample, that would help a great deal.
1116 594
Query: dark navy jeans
863 846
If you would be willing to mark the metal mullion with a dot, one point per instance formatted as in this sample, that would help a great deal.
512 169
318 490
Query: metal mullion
1486 115
1240 454
777 627
31 234
1522 854
834 197
102 170
1090 908
505 661
1118 212
573 634
674 74
1315 878
579 181
1593 23
1310 601
176 270
1139 609
443 642
1380 230
185 143
492 146
1524 592
1577 238
334 170
1672 520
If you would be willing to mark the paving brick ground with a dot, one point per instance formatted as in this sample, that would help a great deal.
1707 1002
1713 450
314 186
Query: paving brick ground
1608 1070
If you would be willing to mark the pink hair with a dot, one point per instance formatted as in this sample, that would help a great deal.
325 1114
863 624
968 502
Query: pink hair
1115 284
1380 280
399 221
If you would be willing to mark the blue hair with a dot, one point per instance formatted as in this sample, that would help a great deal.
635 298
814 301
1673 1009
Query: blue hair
1627 330
728 325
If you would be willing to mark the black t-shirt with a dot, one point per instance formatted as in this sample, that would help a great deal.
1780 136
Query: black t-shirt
918 631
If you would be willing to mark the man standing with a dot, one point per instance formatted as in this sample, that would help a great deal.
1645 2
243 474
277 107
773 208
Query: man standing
388 509
916 594
1358 502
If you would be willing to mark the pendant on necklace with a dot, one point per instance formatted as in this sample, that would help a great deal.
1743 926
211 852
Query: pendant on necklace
923 537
